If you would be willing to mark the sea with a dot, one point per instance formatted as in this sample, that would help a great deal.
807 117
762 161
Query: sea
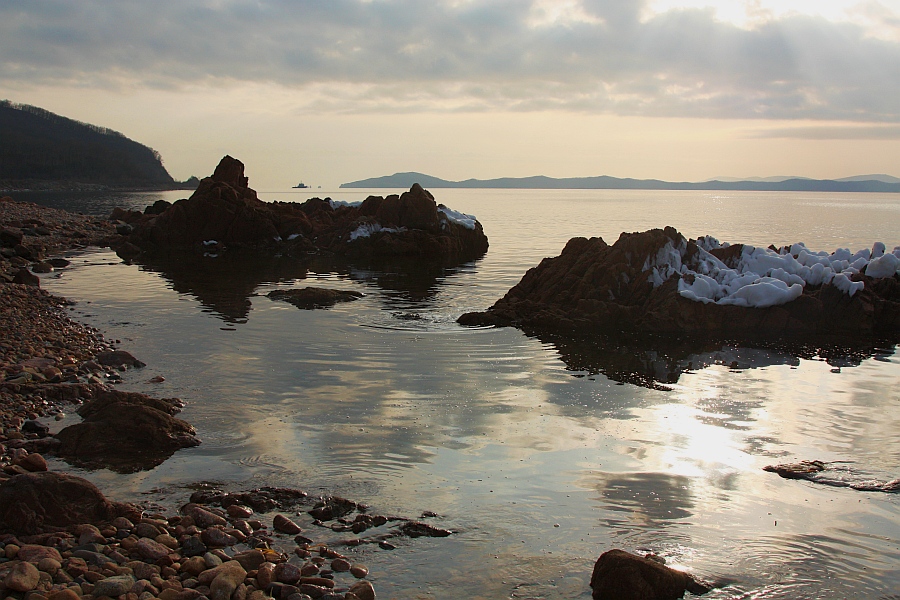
538 453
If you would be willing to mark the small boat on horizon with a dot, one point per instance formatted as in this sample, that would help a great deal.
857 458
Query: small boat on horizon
300 186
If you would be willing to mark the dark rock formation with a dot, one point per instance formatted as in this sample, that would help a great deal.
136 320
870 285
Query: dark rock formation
593 288
38 502
801 470
125 432
619 575
226 211
817 471
314 297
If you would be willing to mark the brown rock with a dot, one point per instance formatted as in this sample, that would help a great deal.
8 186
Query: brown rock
314 297
63 594
117 358
33 463
265 574
226 211
194 565
363 590
359 571
619 575
285 525
593 288
24 276
125 436
23 577
236 511
203 517
251 560
151 549
804 469
34 553
37 502
217 538
229 576
287 573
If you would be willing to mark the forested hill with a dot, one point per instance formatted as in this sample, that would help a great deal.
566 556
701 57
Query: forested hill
40 149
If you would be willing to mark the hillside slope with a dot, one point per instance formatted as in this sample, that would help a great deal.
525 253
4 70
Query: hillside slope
43 149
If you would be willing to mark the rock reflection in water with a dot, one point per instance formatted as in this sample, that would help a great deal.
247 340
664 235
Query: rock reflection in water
658 364
224 283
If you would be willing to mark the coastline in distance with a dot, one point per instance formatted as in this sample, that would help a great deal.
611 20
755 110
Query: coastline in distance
867 183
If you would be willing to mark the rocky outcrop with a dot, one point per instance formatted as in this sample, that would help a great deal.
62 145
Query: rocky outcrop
125 432
314 297
225 213
629 288
834 475
619 575
37 502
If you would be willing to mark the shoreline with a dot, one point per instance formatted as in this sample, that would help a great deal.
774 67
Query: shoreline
218 546
74 187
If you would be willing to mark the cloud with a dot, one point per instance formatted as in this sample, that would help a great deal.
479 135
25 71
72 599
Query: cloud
830 132
593 56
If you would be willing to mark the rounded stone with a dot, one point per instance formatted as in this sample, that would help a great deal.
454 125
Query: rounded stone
359 571
23 577
340 565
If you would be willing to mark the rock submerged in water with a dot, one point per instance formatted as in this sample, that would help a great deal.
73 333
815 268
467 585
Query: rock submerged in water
125 432
314 297
619 575
225 212
650 284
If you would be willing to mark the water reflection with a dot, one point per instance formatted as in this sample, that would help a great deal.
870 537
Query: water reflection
659 364
223 283
651 500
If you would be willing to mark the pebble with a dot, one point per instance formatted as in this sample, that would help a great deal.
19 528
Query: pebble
151 549
23 577
285 525
217 537
359 571
114 586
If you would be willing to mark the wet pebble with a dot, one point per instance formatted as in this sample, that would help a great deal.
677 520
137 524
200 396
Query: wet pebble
285 525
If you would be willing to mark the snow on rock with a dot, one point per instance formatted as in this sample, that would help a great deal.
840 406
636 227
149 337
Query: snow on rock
335 204
467 221
659 283
763 277
885 265
367 229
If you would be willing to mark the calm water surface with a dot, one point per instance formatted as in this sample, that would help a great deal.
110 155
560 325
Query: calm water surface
535 451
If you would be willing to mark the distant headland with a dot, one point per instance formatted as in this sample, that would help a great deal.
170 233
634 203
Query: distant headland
864 183
48 152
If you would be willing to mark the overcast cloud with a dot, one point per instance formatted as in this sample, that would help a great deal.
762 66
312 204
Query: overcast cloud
596 56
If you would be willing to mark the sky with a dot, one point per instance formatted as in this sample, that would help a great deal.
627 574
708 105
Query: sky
330 91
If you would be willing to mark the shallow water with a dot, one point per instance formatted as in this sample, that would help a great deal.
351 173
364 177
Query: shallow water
540 454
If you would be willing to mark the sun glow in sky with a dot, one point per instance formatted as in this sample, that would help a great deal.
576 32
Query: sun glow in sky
329 92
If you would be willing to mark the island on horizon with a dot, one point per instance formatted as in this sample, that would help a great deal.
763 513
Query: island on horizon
859 183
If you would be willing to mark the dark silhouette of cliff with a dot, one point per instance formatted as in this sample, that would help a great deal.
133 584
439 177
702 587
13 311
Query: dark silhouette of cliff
41 149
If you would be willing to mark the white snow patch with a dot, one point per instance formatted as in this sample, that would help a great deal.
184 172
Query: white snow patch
886 265
764 277
467 221
339 203
367 229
